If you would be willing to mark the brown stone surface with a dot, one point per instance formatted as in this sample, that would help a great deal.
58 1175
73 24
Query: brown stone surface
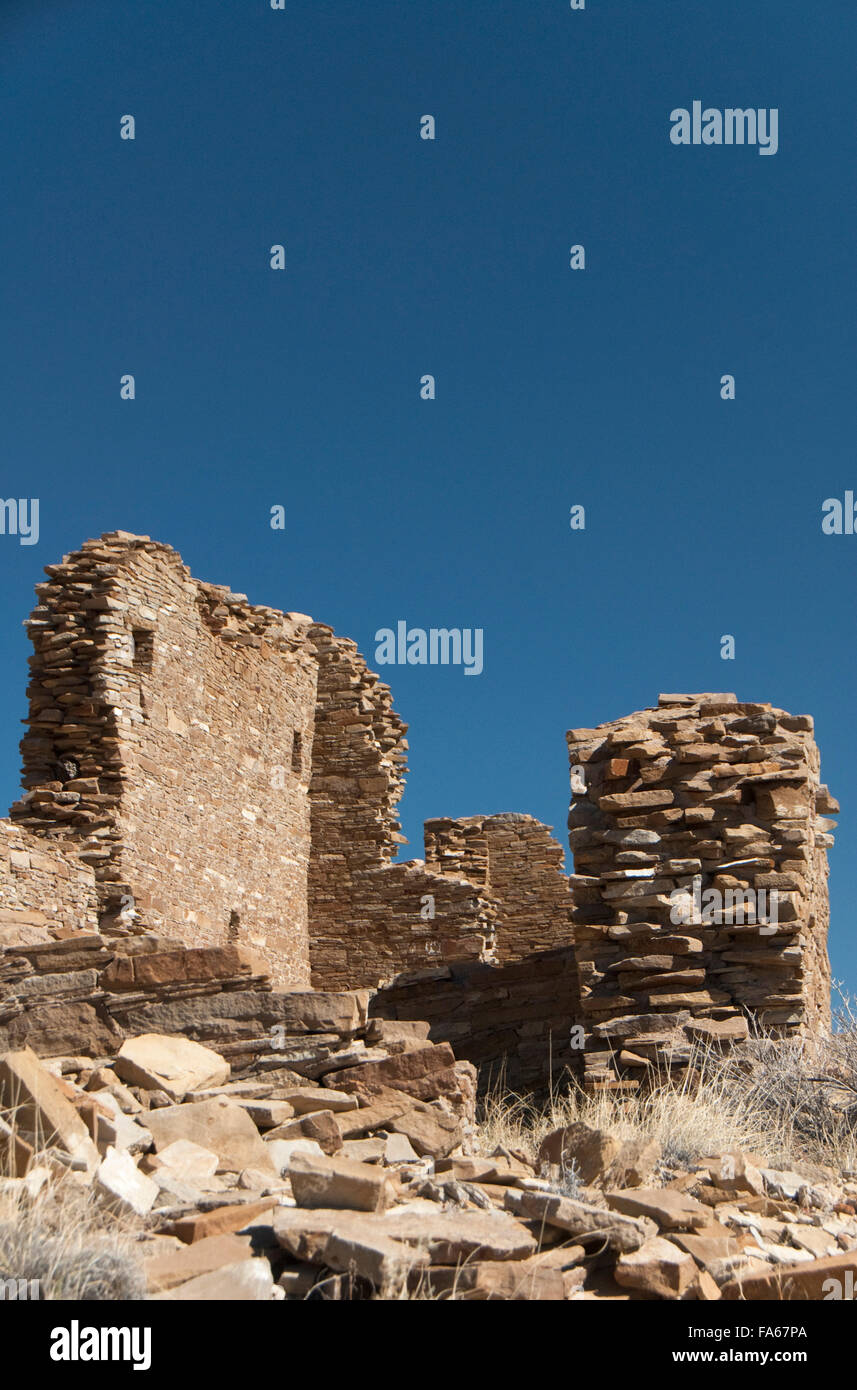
688 817
329 1183
582 1220
591 1150
203 772
489 1281
658 1268
219 1125
220 1222
39 1110
164 1271
671 1210
817 1279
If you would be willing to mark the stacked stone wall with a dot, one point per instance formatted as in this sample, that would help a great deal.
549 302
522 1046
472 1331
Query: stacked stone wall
171 728
685 819
516 861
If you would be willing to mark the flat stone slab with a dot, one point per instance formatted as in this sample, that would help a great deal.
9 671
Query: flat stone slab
582 1220
174 1065
247 1281
219 1125
669 1209
164 1271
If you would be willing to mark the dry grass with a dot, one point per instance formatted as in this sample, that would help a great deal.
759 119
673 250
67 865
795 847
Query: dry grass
57 1241
61 1240
786 1101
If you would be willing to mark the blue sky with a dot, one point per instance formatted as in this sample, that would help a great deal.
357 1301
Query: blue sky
405 257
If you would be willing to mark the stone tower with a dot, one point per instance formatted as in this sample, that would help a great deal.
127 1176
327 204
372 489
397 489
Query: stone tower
700 889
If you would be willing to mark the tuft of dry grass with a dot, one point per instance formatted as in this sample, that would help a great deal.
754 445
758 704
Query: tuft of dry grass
66 1247
57 1241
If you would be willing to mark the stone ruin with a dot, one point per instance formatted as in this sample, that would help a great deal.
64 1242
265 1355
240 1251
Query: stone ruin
700 842
219 775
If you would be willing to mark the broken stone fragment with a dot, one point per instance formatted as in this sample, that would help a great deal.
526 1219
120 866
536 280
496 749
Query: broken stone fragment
502 1171
184 1159
330 1183
43 1114
122 1185
430 1128
494 1280
219 1125
398 1149
165 1271
658 1268
266 1114
171 1064
319 1125
310 1098
281 1151
245 1281
587 1223
450 1238
221 1221
590 1150
119 1130
669 1209
372 1255
823 1279
634 1163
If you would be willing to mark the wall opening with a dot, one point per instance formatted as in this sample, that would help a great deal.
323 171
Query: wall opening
143 648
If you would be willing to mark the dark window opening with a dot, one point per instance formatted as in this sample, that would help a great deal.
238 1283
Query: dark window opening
297 755
143 648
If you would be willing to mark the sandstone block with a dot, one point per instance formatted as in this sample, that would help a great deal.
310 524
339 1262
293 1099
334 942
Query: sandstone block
669 1209
171 1064
658 1268
43 1115
221 1221
123 1186
219 1125
331 1183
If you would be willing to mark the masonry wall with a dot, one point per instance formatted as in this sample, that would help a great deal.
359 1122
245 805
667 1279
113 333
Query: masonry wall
700 793
371 919
171 728
516 861
42 890
513 1021
512 1012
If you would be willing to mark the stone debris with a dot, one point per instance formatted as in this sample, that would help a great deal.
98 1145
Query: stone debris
173 1065
405 1206
658 1268
42 1114
123 1185
342 1182
241 1282
219 1125
184 1159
